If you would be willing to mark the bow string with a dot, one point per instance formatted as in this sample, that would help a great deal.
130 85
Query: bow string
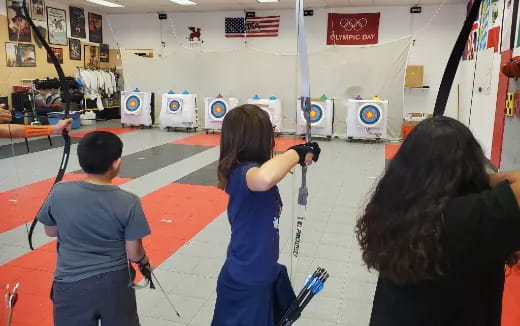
66 96
302 53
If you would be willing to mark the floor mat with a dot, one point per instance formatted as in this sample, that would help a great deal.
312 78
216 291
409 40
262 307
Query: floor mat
117 131
20 205
281 143
175 213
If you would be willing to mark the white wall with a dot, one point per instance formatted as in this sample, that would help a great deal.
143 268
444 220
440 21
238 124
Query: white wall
434 38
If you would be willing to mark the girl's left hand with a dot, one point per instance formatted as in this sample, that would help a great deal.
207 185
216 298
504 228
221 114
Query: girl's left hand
307 153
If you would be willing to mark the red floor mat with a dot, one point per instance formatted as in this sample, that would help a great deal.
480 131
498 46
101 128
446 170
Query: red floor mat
176 213
391 150
117 131
281 143
511 299
200 140
20 205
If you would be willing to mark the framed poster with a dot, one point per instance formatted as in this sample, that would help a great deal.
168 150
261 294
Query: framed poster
74 49
95 28
20 55
91 56
18 27
104 53
77 22
38 10
58 52
41 26
57 25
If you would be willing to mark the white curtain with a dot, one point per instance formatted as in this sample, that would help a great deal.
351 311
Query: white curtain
244 73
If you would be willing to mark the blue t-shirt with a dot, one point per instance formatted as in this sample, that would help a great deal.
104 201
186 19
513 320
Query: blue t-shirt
254 216
93 222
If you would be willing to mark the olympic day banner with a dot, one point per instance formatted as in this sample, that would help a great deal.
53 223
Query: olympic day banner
353 29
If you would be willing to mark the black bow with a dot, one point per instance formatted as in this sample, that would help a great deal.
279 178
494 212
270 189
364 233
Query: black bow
65 95
453 62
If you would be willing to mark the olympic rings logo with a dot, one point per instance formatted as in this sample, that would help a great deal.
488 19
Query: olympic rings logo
353 24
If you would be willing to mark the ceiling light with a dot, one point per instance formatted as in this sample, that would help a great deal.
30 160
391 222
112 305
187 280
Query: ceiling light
184 2
261 1
106 3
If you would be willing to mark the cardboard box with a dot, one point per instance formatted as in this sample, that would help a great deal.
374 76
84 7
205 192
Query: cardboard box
414 76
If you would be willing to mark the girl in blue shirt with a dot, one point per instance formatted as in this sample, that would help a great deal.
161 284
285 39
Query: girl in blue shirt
252 288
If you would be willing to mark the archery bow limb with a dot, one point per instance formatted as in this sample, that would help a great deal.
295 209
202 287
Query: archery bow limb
65 95
453 61
303 192
453 64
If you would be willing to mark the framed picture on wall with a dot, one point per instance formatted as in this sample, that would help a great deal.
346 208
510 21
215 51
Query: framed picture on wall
18 27
57 25
95 28
91 56
74 49
104 53
20 55
58 52
41 26
77 22
38 10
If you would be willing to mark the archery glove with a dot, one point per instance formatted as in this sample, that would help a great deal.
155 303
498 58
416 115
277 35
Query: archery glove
304 149
146 270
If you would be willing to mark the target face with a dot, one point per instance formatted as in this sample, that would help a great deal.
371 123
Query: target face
218 109
175 105
315 115
369 114
133 103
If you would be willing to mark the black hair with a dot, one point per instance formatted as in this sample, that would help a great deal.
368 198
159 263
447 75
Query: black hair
401 228
98 150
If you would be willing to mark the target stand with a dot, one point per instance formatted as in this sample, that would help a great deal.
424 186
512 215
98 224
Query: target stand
216 110
179 111
367 119
273 109
136 109
321 116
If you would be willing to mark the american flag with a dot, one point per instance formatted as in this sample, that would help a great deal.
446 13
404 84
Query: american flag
252 27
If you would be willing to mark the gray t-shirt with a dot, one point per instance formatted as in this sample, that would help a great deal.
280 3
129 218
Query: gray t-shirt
93 224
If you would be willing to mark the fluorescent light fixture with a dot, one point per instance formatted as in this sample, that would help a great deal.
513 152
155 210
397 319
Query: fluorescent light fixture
106 3
184 2
267 1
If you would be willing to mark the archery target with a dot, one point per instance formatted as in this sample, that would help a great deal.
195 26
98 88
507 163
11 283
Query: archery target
316 113
218 109
369 114
267 110
175 105
133 104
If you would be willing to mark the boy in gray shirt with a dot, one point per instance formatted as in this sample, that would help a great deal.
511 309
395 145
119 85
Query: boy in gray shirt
99 228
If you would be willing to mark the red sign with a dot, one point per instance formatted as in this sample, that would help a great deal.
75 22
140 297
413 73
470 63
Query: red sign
353 29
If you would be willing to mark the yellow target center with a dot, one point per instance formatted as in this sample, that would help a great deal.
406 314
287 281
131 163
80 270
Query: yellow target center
370 115
132 103
218 109
313 114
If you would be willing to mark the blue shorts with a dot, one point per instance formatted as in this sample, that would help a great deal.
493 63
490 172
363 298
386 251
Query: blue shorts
106 297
